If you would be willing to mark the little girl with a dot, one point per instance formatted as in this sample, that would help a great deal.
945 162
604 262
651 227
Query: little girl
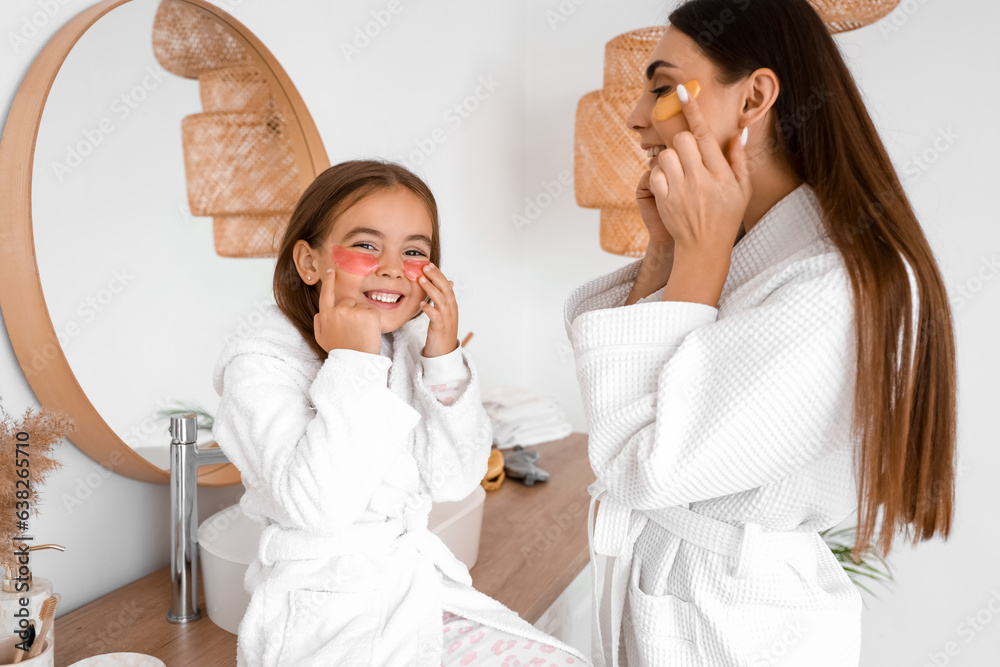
347 412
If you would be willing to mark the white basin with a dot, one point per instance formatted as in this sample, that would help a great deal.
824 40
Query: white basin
227 544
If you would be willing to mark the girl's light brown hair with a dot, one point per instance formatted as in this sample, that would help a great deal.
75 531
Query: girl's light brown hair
904 413
326 199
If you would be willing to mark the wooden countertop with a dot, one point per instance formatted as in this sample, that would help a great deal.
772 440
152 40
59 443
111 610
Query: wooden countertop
533 544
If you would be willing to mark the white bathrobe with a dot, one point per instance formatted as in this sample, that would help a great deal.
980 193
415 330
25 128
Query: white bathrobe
341 460
704 420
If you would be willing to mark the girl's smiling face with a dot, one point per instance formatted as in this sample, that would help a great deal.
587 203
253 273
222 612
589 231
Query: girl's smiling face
377 248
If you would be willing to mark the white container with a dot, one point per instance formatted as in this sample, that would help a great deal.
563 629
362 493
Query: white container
10 604
459 525
118 660
227 544
8 649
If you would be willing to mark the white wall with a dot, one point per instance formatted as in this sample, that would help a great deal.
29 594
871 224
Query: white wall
389 99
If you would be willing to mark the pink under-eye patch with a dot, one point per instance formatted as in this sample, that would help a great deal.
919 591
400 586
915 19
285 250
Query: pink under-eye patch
414 268
358 263
363 264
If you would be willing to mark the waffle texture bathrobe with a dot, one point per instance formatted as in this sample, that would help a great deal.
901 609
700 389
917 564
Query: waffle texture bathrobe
720 442
341 460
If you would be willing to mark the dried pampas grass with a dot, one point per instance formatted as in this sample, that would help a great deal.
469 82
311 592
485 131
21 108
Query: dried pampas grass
37 433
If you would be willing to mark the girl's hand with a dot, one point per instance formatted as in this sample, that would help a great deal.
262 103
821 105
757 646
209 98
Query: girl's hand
700 195
346 325
442 334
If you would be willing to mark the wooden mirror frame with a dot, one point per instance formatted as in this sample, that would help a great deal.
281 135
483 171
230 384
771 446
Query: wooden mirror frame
26 315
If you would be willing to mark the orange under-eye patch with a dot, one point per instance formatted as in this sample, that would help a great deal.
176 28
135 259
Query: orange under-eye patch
669 106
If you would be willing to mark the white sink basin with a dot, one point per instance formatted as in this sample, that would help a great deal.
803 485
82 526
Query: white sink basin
227 544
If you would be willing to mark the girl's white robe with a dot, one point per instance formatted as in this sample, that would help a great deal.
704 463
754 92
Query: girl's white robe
741 413
341 460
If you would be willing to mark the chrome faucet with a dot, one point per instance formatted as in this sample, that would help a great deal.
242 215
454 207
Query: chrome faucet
185 457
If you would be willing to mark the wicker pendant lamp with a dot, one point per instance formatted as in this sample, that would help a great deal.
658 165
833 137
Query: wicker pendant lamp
844 16
240 165
607 159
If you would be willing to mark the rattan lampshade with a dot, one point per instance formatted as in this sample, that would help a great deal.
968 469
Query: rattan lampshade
844 16
188 40
240 164
607 159
234 89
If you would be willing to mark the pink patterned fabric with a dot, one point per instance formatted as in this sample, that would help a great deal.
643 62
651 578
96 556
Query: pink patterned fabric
447 392
465 642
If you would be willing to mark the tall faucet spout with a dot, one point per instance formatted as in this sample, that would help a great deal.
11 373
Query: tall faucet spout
185 457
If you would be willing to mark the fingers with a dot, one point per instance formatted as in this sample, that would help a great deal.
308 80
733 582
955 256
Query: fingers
326 293
711 152
438 288
642 190
670 163
658 184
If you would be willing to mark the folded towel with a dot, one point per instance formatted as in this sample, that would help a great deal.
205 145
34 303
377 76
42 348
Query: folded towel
534 436
522 417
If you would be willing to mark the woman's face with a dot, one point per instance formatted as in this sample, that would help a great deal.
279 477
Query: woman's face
676 60
391 226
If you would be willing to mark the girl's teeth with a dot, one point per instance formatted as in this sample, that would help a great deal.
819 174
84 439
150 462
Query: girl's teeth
385 298
654 151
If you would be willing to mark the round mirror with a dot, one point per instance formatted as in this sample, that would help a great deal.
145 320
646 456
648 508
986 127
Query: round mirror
103 198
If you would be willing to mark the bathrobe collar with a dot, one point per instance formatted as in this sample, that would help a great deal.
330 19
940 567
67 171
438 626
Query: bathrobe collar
278 337
793 223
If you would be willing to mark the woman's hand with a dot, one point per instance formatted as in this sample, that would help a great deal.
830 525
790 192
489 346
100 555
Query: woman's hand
347 324
442 334
659 237
701 197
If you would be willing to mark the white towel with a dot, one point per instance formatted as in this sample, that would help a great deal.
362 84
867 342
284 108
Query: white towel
522 417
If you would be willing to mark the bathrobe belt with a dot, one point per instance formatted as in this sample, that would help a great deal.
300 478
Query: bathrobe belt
618 527
277 543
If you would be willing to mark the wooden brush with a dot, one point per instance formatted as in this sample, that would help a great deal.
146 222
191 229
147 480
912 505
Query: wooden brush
47 616
18 653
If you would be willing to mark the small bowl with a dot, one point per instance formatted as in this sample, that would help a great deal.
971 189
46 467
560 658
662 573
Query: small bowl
8 649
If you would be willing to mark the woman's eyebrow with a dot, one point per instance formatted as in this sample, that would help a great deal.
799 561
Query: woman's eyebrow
358 231
656 64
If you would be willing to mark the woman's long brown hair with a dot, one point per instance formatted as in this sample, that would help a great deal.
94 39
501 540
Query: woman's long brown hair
904 409
326 199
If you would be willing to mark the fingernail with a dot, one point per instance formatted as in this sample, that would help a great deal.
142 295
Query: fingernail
744 135
329 270
682 92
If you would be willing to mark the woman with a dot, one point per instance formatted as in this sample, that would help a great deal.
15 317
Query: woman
754 390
